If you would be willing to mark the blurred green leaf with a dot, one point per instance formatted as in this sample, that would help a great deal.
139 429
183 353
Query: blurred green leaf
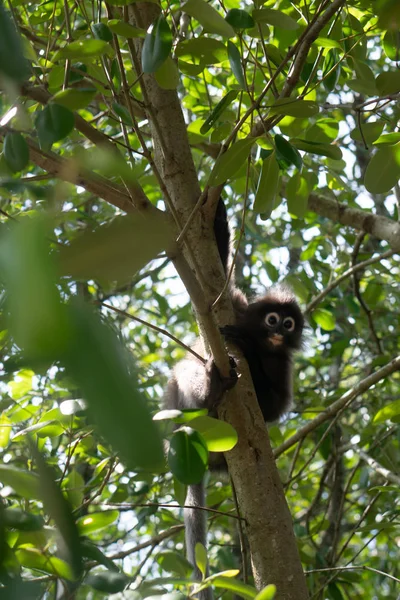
107 581
239 18
218 435
218 110
267 188
95 521
12 61
231 161
53 123
236 64
16 151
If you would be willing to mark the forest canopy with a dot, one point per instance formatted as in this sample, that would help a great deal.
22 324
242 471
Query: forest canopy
120 124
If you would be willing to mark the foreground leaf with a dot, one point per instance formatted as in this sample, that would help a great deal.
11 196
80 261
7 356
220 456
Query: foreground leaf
188 456
267 186
207 16
157 46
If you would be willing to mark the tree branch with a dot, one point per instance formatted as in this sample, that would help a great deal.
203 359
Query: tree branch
361 387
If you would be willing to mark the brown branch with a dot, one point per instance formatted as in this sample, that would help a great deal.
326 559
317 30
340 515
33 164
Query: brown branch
376 225
361 387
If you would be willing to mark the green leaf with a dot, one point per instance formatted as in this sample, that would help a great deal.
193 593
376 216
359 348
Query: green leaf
201 558
230 162
208 17
125 29
167 76
172 562
188 456
388 139
370 132
53 123
391 45
227 582
236 64
297 193
218 435
388 82
91 551
5 430
16 151
323 42
295 108
268 593
157 46
31 558
123 113
218 110
388 412
107 581
96 521
287 152
75 98
37 320
324 318
383 170
21 520
82 49
331 77
275 18
117 250
13 64
328 150
98 365
207 51
102 32
239 19
268 184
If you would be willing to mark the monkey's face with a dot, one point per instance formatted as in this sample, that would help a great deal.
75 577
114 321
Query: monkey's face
282 327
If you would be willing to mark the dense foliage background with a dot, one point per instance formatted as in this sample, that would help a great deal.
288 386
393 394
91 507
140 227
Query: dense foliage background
82 360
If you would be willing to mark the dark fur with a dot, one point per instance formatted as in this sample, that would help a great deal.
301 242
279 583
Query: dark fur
195 385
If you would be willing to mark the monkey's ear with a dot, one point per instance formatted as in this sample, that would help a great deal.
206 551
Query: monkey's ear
239 301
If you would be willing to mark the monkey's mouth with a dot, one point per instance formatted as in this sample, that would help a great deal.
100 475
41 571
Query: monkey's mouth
276 339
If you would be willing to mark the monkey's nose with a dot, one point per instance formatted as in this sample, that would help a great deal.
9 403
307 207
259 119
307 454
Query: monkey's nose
276 339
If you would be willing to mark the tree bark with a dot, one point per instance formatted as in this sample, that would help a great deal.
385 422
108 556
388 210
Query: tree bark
274 553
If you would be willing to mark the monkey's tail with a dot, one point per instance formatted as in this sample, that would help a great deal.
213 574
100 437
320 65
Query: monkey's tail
222 234
196 531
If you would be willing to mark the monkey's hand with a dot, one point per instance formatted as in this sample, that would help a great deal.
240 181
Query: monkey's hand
217 383
235 335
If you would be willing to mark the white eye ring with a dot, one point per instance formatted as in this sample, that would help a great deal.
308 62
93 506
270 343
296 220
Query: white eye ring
272 319
289 324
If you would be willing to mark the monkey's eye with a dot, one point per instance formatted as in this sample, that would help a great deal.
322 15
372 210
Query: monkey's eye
272 319
288 324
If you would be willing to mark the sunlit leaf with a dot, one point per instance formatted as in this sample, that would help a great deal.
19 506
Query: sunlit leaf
32 558
324 318
201 558
297 193
5 430
368 132
95 521
268 593
329 150
388 412
391 45
207 16
218 435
